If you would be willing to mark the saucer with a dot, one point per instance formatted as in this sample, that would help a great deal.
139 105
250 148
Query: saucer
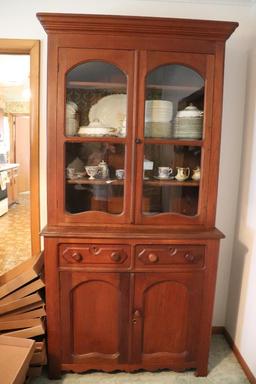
164 178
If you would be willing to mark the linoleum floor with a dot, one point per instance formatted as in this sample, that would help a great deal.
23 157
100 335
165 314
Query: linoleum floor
15 238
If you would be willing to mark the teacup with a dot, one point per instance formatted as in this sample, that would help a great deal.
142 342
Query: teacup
92 170
120 174
164 172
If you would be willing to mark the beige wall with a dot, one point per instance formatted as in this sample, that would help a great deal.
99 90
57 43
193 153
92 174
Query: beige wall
237 50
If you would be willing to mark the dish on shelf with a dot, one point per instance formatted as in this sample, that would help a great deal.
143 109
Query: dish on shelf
110 111
188 123
188 127
97 128
158 111
158 129
191 111
71 108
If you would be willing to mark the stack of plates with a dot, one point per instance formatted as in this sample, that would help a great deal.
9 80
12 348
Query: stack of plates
71 118
188 127
157 129
158 114
158 111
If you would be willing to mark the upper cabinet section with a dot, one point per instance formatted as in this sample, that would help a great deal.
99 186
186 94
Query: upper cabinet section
134 119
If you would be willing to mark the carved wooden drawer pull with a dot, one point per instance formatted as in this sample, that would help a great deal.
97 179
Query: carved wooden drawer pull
189 257
77 256
153 258
116 256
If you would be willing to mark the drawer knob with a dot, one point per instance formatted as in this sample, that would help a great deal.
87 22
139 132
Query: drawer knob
189 257
116 256
77 256
153 258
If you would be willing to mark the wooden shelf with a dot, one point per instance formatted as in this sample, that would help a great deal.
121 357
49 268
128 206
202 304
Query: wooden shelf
86 181
152 182
109 85
84 139
171 141
115 139
171 183
95 85
178 88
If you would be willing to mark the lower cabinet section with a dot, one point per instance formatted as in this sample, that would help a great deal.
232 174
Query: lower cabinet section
130 305
130 318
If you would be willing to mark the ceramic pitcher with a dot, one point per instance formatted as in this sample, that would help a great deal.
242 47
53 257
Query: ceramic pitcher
182 173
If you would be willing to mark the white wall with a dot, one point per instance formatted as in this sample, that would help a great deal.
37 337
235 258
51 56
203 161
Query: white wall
18 20
241 309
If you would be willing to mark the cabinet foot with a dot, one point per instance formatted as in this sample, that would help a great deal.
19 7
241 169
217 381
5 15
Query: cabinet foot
201 372
53 373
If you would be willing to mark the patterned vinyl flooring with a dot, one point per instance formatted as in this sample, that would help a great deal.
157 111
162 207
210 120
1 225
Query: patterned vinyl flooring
15 238
223 369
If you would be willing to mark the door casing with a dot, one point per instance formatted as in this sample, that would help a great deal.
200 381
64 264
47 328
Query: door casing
32 48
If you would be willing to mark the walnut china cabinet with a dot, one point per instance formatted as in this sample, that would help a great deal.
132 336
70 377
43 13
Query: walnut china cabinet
131 250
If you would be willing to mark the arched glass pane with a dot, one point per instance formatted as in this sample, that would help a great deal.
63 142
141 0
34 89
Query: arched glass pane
96 101
96 109
174 103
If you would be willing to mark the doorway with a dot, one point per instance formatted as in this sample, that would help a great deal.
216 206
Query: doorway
27 134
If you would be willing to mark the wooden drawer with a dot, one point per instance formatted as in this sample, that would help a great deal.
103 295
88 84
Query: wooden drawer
169 255
95 255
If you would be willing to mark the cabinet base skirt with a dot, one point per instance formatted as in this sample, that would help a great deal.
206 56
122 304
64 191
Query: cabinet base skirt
83 367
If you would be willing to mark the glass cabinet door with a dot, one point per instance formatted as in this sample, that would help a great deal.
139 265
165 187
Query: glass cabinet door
173 137
96 134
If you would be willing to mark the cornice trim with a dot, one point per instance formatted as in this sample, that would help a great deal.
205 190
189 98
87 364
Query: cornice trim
77 23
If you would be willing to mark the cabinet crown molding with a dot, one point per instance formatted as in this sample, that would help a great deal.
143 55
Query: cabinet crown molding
77 23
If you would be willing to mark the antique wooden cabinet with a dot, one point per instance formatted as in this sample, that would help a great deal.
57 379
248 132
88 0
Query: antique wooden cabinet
131 250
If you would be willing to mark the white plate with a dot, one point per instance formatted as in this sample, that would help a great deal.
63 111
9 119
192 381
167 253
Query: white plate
110 111
90 131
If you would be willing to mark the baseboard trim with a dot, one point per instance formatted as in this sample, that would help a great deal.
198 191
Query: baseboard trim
231 343
218 330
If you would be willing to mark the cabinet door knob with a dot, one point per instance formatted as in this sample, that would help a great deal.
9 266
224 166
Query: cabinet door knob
153 258
189 257
136 316
138 141
77 256
116 256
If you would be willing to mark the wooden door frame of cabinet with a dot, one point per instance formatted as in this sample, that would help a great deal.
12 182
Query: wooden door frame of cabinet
67 61
31 48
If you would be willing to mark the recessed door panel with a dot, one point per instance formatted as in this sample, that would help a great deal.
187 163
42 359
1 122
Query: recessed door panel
92 306
169 321
166 322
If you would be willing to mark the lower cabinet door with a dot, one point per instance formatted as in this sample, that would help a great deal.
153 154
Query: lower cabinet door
94 317
166 318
